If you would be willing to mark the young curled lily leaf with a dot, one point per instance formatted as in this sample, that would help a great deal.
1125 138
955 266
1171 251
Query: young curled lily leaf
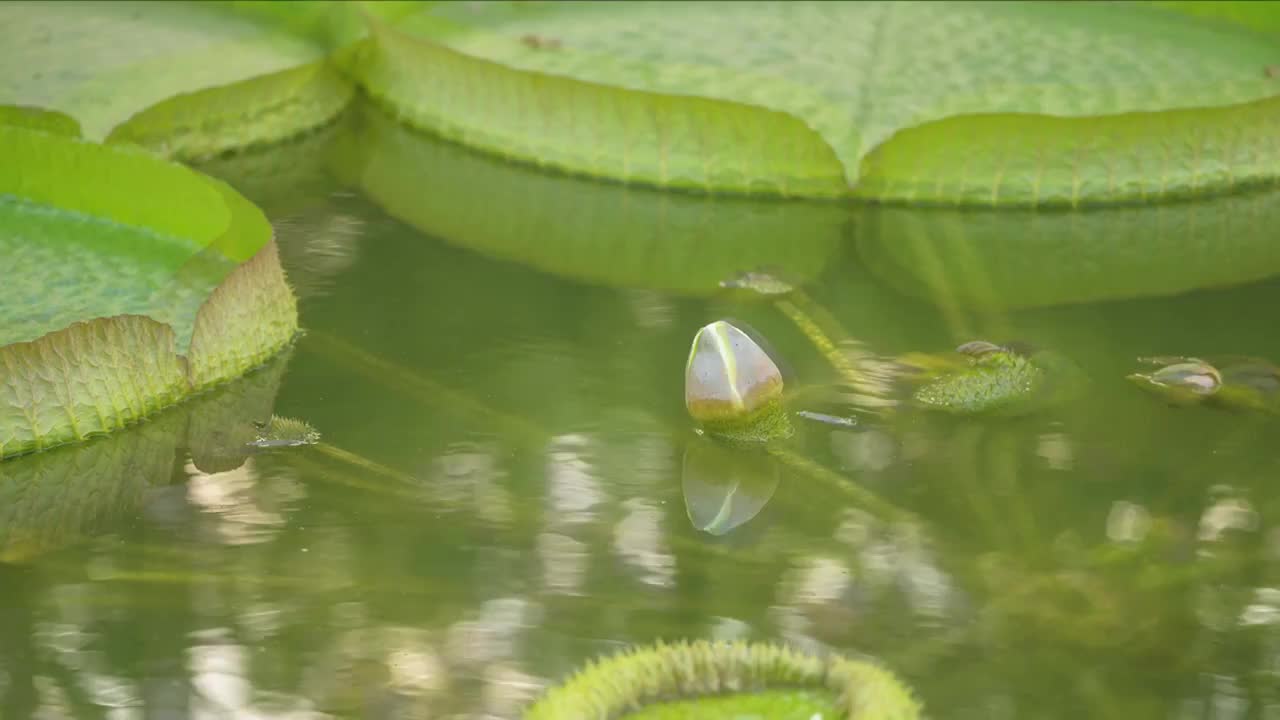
1189 381
714 679
1238 383
999 381
283 432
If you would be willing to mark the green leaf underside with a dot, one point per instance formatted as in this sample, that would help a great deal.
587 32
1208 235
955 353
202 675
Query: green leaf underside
774 705
123 292
857 74
261 110
589 231
671 140
1032 258
281 178
103 62
1034 161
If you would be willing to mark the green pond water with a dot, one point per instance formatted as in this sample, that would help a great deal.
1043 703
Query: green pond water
510 485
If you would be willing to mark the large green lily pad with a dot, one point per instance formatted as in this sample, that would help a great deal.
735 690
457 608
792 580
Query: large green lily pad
130 283
1034 103
190 79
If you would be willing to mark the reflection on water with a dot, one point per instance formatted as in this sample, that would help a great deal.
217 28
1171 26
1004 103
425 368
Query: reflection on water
241 507
725 487
512 488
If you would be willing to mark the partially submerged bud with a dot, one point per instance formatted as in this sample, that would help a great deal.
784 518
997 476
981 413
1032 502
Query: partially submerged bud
729 378
1186 381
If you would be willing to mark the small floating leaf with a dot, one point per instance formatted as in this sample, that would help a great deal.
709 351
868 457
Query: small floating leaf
281 432
998 381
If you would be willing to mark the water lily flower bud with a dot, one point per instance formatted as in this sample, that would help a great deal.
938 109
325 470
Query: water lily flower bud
729 377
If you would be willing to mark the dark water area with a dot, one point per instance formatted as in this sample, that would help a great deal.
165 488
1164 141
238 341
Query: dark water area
509 484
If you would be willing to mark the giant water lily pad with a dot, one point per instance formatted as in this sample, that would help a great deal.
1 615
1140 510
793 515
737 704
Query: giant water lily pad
130 283
186 78
985 103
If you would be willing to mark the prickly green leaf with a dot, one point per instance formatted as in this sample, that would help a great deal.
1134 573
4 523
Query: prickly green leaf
660 84
1001 383
645 677
773 704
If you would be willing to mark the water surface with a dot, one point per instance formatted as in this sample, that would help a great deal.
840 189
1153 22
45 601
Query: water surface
517 488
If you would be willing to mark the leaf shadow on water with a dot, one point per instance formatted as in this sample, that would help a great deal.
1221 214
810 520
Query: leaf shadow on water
50 506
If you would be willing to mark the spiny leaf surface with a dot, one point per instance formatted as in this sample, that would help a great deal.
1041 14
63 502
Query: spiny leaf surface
856 73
